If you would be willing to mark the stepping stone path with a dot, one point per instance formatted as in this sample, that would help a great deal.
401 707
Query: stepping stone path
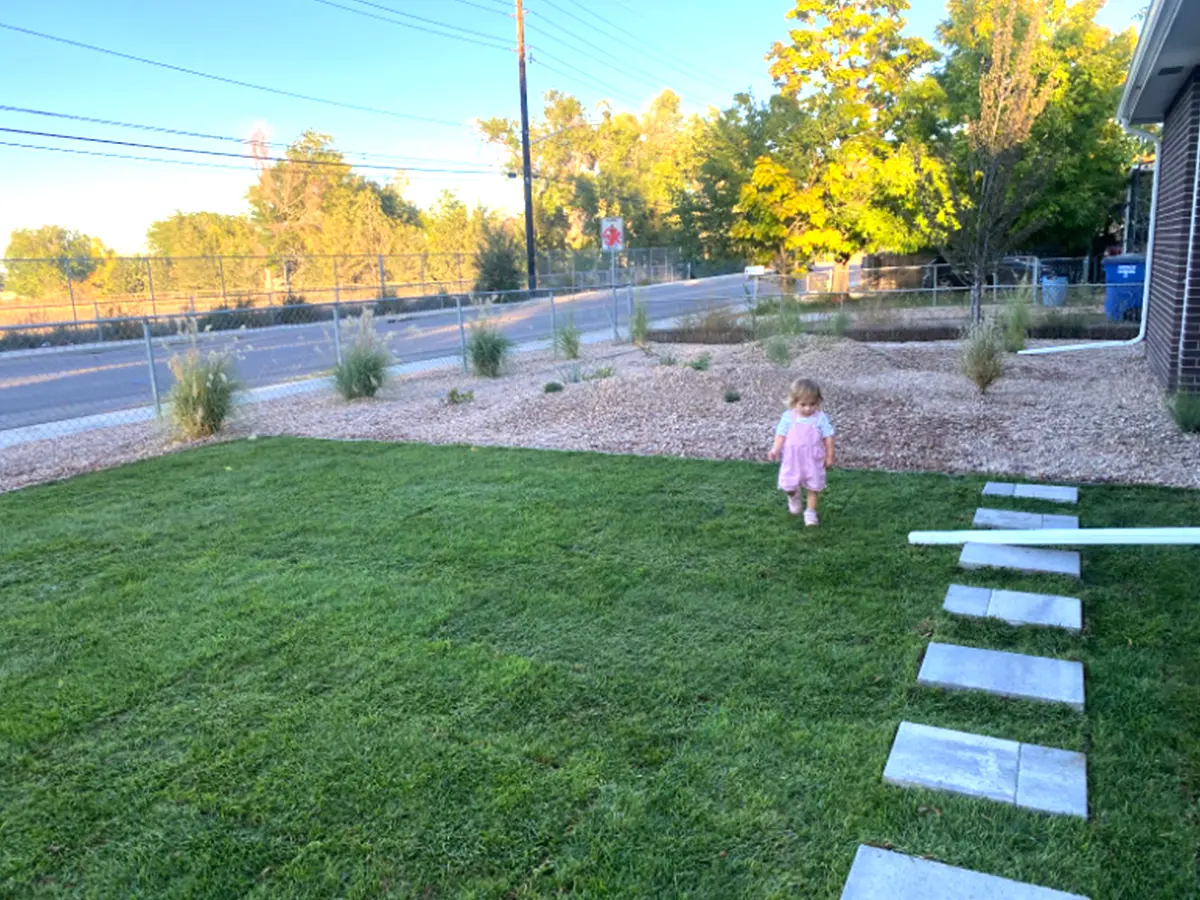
1004 674
1044 779
1024 775
1021 521
878 874
1015 607
1030 560
1051 493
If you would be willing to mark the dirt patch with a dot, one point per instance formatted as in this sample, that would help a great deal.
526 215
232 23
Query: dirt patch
1090 417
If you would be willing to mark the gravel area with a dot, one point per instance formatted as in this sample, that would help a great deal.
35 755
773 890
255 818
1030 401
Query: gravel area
1086 417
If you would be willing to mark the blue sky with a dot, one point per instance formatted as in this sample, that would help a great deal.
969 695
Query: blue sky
310 47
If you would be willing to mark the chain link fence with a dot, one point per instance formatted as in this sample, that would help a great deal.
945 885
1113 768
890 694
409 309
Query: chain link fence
117 370
94 289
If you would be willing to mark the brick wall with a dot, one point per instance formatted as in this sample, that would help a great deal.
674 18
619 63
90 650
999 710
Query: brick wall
1177 204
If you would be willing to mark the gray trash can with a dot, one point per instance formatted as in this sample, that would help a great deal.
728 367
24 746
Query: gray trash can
1054 290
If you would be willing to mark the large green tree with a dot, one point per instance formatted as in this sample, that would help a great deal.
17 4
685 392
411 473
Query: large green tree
40 260
1081 198
846 68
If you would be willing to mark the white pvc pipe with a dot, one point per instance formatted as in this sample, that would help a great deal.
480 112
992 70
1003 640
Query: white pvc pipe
1141 335
1063 537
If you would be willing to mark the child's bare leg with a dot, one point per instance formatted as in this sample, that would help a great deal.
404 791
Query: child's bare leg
813 497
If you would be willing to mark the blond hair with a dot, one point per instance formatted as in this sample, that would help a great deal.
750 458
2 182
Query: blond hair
804 390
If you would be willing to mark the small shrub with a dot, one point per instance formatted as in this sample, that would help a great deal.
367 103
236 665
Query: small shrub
777 351
701 363
598 374
667 359
487 350
732 396
203 395
573 374
552 387
639 326
455 397
983 354
365 362
838 324
1016 324
1185 408
566 340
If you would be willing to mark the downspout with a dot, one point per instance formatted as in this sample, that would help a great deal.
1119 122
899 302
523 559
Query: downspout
1141 335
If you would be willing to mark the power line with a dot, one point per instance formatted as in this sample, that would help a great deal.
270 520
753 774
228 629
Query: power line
489 9
226 154
580 76
180 162
233 81
648 80
664 58
450 33
218 137
626 69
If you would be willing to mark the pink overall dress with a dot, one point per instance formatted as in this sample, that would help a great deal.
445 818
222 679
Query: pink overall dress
803 457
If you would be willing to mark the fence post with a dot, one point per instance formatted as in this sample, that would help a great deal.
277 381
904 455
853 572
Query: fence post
337 335
70 291
1037 279
462 333
613 282
935 283
150 365
150 287
382 279
96 317
553 327
221 269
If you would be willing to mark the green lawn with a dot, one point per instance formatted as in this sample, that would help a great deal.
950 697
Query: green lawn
288 668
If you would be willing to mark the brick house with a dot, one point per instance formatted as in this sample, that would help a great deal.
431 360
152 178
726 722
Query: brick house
1163 87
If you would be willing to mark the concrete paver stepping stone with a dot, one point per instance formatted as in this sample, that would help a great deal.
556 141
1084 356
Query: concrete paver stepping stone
1015 607
1016 675
1049 492
1020 521
886 875
1053 781
954 761
1031 560
1025 775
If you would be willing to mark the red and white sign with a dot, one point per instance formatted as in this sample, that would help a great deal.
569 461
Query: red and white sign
612 235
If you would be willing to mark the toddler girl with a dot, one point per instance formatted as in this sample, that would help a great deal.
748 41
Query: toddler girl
804 438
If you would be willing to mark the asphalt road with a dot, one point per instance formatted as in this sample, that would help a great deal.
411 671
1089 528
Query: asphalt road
63 383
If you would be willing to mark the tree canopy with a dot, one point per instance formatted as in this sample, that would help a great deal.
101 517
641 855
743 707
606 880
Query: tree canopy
871 141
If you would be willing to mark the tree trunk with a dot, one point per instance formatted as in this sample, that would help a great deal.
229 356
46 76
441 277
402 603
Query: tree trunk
976 301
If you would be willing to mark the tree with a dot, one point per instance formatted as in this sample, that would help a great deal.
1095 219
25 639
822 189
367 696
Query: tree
498 260
1077 130
311 207
40 260
845 70
994 174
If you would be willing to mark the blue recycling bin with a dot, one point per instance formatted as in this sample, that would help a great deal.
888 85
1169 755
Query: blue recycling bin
1054 290
1123 276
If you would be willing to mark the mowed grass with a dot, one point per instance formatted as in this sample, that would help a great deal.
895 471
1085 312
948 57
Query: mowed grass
295 669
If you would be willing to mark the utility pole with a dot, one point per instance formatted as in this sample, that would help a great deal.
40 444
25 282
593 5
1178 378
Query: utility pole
530 252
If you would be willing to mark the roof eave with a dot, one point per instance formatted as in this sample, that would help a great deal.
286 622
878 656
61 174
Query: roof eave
1159 19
